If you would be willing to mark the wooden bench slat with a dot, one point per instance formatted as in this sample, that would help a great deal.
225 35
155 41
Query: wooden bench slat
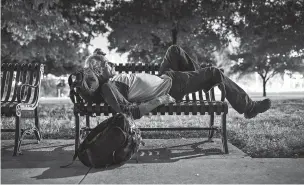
111 110
9 82
154 111
146 69
212 94
194 108
178 109
139 67
119 68
24 77
207 96
106 110
186 109
154 69
170 110
3 79
37 81
18 76
97 109
89 109
200 95
133 68
218 108
193 96
202 109
30 76
187 97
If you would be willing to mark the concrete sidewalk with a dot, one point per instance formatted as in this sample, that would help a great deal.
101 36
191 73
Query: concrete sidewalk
160 161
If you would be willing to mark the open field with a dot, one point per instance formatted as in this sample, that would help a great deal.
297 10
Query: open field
276 133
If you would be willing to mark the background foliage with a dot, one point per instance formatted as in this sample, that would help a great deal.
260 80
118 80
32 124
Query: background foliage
271 39
269 34
49 88
147 28
54 32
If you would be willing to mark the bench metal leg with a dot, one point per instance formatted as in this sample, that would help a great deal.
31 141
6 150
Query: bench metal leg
77 131
17 136
224 134
84 133
211 124
88 121
37 125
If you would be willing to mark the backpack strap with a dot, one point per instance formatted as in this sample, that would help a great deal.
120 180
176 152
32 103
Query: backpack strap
90 157
74 158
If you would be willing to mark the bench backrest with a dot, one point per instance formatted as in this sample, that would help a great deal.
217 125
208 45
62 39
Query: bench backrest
14 75
151 69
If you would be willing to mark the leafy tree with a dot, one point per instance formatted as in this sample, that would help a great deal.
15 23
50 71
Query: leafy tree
271 38
147 28
52 32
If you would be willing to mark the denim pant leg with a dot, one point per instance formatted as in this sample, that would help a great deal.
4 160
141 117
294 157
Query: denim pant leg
195 78
206 78
176 59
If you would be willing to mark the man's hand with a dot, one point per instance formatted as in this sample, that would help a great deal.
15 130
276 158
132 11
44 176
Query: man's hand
165 99
152 104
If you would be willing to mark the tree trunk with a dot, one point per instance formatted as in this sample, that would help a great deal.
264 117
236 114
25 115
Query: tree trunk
174 32
264 87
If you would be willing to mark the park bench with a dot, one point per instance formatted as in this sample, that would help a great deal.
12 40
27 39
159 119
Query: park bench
200 103
20 89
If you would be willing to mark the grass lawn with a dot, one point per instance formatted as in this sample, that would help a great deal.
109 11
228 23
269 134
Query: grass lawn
276 133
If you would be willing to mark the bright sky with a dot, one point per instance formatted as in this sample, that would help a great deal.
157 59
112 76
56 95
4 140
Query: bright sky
102 42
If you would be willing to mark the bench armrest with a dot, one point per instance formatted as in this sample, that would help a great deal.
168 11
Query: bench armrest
22 91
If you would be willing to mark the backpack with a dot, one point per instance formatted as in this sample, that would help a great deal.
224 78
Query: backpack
86 84
114 141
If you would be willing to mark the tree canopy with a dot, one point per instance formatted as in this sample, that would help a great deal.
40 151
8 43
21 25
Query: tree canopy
271 38
53 32
57 32
147 28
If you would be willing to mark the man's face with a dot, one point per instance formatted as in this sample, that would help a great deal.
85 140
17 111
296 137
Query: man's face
108 70
102 65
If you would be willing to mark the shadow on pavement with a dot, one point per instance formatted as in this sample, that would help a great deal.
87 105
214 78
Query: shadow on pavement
175 153
52 157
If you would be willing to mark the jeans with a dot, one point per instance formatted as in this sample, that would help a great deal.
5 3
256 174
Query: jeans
188 77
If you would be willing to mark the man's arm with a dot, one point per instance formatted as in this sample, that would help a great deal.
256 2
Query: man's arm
152 104
118 102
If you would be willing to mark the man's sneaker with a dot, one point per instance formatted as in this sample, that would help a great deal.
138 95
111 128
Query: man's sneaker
259 107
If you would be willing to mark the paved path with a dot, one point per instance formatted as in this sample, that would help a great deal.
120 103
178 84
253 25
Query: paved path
160 161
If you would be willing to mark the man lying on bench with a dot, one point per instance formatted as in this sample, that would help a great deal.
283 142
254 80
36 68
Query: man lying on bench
178 76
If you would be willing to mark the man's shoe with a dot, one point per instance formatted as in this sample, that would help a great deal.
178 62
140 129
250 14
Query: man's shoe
259 107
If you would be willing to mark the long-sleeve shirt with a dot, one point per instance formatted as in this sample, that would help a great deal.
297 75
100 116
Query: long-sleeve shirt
124 91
